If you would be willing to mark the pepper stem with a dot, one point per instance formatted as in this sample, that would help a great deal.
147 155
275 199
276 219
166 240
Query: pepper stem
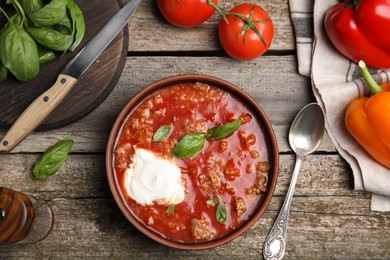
375 88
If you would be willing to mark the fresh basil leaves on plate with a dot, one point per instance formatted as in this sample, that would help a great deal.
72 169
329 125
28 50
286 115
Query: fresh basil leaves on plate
34 31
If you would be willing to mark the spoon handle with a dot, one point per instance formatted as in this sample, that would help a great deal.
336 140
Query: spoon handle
275 242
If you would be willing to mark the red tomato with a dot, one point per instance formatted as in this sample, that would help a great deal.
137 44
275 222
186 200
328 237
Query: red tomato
185 13
238 39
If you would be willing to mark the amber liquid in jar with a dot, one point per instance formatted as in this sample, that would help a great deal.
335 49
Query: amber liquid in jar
23 218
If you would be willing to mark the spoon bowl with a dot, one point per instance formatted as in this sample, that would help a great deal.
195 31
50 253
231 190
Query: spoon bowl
305 137
307 129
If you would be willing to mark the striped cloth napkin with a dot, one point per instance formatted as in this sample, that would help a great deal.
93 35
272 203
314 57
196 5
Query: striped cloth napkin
336 81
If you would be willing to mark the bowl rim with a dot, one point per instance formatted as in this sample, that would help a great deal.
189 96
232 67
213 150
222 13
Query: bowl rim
241 95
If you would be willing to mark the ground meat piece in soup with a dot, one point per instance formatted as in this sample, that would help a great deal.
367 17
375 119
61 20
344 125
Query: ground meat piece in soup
262 167
209 180
259 185
200 231
240 206
198 126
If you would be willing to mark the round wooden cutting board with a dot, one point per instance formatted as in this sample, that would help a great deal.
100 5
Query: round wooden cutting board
92 87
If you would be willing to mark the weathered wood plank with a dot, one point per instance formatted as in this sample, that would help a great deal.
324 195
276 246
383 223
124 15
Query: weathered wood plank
319 228
147 24
271 80
85 176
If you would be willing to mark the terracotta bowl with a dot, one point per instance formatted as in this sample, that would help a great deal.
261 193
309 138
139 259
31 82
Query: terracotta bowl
250 103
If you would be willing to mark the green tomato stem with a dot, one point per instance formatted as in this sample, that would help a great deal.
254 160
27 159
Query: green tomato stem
375 88
219 10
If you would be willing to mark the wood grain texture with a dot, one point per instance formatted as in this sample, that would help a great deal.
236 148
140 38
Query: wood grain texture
94 227
148 25
90 90
327 216
329 220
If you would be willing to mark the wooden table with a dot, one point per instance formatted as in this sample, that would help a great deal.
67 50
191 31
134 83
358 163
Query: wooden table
328 220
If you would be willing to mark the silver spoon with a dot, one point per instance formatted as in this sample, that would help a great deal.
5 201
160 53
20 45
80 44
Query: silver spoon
305 136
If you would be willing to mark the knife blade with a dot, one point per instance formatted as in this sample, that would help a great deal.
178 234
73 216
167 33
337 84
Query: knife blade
43 105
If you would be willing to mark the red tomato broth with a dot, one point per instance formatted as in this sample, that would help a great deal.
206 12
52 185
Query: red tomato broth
194 108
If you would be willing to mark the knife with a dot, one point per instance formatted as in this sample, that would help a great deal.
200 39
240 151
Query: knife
42 106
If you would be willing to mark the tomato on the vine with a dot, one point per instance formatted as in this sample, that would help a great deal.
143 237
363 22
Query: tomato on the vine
185 13
239 37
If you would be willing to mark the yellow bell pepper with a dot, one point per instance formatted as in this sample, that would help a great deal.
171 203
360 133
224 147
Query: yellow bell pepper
368 119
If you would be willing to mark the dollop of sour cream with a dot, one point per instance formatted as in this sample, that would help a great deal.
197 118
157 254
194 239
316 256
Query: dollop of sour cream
152 179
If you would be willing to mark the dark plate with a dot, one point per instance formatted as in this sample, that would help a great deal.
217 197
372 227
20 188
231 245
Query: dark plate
90 90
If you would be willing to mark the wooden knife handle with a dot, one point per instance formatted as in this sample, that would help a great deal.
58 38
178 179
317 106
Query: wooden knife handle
37 111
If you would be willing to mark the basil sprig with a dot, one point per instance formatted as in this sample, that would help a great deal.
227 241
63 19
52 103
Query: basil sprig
162 133
170 210
220 132
192 143
57 25
221 214
52 159
189 145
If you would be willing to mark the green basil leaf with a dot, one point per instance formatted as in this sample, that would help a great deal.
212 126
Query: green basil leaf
161 133
170 210
212 202
63 29
3 72
31 6
220 132
221 214
52 159
17 19
50 38
50 14
19 52
189 145
78 24
45 55
65 22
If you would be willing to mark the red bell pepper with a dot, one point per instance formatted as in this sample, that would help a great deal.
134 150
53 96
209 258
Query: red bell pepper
360 30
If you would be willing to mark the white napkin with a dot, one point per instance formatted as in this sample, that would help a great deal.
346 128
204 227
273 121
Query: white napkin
336 82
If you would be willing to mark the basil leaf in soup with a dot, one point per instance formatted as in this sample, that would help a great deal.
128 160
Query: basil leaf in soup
170 210
189 145
220 132
162 133
52 159
221 214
